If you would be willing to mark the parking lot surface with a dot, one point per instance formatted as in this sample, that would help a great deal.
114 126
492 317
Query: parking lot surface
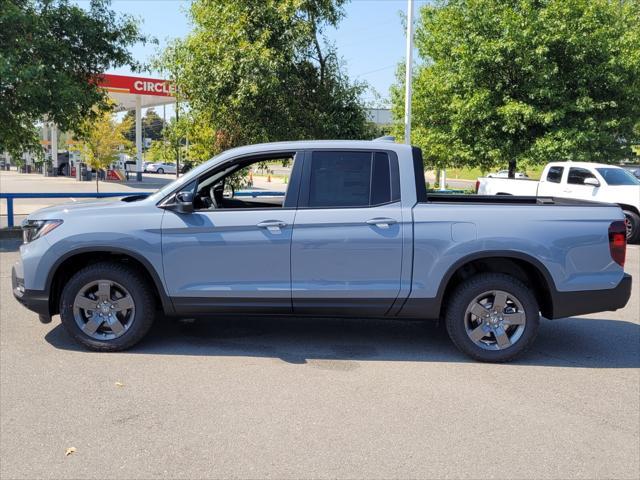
317 398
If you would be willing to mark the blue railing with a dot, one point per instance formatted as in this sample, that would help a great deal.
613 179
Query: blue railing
11 196
258 193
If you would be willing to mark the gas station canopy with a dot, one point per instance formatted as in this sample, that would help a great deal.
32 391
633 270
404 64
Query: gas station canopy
136 93
124 90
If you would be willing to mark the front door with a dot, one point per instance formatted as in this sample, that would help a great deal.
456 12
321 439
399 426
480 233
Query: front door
346 251
576 188
232 254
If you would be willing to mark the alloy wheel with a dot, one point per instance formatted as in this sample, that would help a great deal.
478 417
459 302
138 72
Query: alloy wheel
628 224
495 320
104 309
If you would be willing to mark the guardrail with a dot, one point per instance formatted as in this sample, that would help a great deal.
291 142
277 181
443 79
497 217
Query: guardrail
11 196
258 193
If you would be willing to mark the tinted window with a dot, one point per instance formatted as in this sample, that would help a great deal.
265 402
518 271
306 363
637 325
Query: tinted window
617 176
352 179
555 174
340 179
577 176
380 180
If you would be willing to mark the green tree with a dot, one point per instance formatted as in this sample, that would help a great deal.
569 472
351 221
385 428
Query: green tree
262 71
50 53
152 125
102 140
532 81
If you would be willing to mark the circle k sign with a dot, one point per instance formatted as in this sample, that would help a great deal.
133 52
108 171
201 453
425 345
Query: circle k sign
136 85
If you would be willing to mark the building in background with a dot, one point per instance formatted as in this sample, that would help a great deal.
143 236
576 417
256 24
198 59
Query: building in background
380 117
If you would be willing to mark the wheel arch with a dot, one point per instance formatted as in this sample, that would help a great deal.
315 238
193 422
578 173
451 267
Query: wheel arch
74 260
631 208
524 267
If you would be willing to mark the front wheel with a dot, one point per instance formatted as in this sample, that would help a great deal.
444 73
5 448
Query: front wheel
632 223
107 306
492 317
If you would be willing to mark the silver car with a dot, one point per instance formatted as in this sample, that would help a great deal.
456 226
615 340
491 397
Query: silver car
161 167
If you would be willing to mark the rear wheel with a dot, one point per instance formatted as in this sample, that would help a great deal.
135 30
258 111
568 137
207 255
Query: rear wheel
492 317
107 306
160 170
632 223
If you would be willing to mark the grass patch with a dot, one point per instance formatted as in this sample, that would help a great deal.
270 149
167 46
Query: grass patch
533 172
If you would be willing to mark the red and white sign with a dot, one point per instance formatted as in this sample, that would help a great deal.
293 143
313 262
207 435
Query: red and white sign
136 85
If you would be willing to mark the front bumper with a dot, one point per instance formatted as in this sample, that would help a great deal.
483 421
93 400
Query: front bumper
35 300
568 304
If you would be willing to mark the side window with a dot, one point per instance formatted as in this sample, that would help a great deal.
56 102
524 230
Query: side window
247 183
555 174
352 179
577 176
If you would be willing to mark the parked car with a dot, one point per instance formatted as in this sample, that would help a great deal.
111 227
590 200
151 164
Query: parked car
580 180
505 174
354 234
161 167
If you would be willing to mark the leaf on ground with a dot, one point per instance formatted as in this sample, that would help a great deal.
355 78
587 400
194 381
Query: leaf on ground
119 384
69 451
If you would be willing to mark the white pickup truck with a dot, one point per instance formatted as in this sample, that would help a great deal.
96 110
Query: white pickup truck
580 180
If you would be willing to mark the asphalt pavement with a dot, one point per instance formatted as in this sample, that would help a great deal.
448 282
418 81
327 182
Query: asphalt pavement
317 398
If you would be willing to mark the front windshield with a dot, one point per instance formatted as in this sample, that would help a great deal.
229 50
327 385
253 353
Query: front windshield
617 176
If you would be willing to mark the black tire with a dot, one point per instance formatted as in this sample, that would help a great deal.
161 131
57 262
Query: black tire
160 170
141 318
632 219
456 317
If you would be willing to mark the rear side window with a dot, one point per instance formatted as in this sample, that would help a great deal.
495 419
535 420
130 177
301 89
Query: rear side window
352 179
555 174
577 176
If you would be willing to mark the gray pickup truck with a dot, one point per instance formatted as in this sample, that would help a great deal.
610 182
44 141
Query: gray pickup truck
354 234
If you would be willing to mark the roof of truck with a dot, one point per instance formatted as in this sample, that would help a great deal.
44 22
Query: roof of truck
581 164
315 144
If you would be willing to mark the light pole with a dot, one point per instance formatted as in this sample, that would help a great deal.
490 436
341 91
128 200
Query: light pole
409 74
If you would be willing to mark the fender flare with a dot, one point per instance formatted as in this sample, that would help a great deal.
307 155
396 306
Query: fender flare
167 304
432 307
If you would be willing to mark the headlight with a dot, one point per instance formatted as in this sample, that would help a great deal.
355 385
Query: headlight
33 229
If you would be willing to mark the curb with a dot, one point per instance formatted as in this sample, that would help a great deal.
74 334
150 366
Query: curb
10 233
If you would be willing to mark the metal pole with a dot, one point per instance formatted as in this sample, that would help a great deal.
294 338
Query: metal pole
177 127
10 212
138 138
409 74
54 149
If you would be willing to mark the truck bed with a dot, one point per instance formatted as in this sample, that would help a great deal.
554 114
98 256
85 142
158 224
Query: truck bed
509 200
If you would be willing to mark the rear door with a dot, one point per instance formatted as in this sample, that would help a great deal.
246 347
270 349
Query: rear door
346 249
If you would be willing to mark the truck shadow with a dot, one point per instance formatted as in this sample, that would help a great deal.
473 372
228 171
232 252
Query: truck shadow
572 342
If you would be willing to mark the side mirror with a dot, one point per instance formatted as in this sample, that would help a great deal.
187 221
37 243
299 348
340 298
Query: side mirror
591 181
184 202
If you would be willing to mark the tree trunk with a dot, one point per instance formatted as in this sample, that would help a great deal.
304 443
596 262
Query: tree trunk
512 169
97 177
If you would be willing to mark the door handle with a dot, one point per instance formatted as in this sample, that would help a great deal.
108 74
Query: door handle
272 225
381 222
